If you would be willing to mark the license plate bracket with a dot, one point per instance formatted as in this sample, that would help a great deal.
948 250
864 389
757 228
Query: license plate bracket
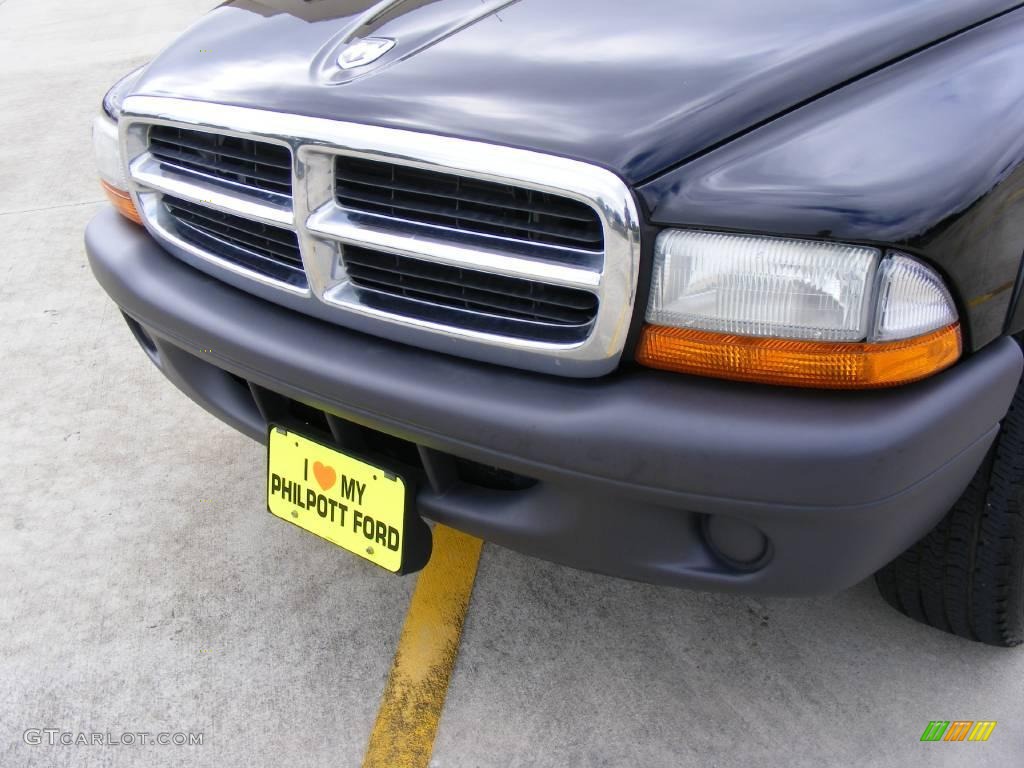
355 503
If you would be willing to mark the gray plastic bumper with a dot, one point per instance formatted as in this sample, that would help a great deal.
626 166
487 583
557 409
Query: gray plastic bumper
634 470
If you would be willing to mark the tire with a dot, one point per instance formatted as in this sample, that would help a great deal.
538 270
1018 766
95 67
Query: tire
967 575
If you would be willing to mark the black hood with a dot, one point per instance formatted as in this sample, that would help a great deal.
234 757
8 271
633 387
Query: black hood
632 86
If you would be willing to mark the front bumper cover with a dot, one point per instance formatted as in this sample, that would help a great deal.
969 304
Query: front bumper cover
630 467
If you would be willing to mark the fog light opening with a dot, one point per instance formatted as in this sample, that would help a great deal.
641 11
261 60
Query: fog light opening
736 543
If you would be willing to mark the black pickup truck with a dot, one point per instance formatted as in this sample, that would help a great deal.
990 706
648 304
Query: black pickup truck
718 295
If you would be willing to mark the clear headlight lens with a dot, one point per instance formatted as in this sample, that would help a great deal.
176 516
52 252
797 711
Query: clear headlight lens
912 300
762 286
795 312
106 145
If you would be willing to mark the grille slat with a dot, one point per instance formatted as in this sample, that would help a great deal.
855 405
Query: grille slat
227 167
210 146
431 285
523 289
472 206
476 301
268 250
249 229
205 237
464 218
449 189
250 233
260 165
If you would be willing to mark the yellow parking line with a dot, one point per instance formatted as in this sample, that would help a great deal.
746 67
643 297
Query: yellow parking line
410 709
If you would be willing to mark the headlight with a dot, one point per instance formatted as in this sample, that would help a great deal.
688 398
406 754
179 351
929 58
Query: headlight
760 286
795 312
912 300
107 148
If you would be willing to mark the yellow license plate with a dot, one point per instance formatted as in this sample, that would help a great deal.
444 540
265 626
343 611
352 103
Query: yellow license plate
350 502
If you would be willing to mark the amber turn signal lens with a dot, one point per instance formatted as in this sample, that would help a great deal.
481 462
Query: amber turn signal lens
824 365
122 201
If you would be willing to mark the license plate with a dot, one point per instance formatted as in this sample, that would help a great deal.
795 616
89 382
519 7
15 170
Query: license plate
355 504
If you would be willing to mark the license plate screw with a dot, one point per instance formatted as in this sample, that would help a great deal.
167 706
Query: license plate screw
369 550
295 513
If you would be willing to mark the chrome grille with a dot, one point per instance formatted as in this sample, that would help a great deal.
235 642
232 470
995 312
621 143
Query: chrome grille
486 302
466 204
488 252
243 162
265 249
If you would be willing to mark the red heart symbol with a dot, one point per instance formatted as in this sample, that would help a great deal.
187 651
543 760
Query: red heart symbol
324 475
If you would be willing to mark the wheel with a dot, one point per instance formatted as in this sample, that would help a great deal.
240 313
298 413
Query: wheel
967 575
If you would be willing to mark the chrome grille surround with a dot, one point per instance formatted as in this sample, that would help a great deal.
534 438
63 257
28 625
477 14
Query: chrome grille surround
324 228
